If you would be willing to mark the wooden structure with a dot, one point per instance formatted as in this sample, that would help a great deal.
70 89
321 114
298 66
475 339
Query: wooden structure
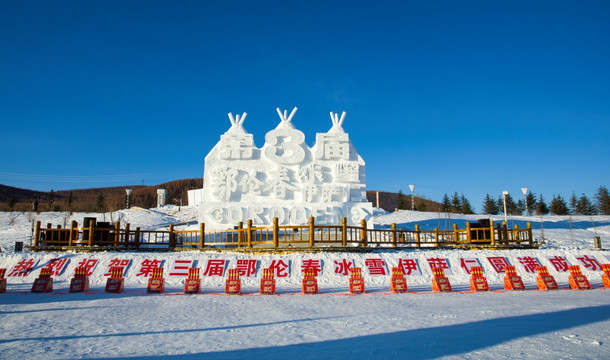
233 282
440 283
90 237
156 283
80 281
606 275
2 280
115 283
192 284
512 281
310 283
267 282
398 284
545 280
478 282
44 282
577 280
356 282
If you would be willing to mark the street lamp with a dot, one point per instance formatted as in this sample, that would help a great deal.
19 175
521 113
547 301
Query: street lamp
524 190
504 193
412 187
128 191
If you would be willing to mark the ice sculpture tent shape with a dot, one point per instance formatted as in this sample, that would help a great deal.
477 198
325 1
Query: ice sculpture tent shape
284 179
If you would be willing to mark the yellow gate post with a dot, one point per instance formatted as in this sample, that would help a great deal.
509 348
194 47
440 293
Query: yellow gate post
91 230
117 228
393 235
491 232
311 232
276 232
344 231
529 234
417 235
456 234
36 233
363 232
72 231
249 233
127 236
201 235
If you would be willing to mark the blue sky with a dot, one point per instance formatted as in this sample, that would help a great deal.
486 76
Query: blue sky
469 96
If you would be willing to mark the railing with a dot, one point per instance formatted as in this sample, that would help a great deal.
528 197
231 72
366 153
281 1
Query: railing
276 236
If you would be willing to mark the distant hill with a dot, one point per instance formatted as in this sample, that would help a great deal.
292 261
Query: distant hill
114 198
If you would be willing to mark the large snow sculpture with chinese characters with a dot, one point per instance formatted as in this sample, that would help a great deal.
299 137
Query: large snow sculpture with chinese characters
284 179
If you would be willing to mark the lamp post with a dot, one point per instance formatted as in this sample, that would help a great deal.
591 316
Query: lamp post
412 187
524 190
504 193
128 191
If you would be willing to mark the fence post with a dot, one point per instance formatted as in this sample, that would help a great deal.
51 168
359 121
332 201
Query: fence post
393 235
36 233
137 239
72 230
505 232
456 234
171 236
249 233
311 232
49 235
91 230
126 236
436 236
363 232
240 234
529 234
117 229
343 231
417 236
276 232
492 233
201 235
468 234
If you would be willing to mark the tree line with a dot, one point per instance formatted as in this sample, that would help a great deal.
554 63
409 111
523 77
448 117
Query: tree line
532 204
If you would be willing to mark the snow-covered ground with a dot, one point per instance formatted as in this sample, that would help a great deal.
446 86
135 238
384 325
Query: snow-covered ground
332 324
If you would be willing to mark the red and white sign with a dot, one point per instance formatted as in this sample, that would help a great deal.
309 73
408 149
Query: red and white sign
468 263
247 267
440 263
498 263
410 267
560 263
316 264
57 266
342 266
280 268
23 268
181 267
590 263
147 266
116 262
376 266
89 264
215 267
529 263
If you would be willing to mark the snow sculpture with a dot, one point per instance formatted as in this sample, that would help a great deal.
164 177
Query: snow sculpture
284 179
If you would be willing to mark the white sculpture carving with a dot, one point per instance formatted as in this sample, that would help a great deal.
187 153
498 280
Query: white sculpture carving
284 179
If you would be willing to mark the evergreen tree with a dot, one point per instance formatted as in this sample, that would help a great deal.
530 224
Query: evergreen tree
11 203
602 200
530 199
51 199
584 206
100 203
574 204
511 205
490 206
456 204
541 207
520 206
402 202
446 204
559 206
69 201
465 205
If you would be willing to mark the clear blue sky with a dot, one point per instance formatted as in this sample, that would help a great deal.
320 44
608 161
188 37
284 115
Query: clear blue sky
469 96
